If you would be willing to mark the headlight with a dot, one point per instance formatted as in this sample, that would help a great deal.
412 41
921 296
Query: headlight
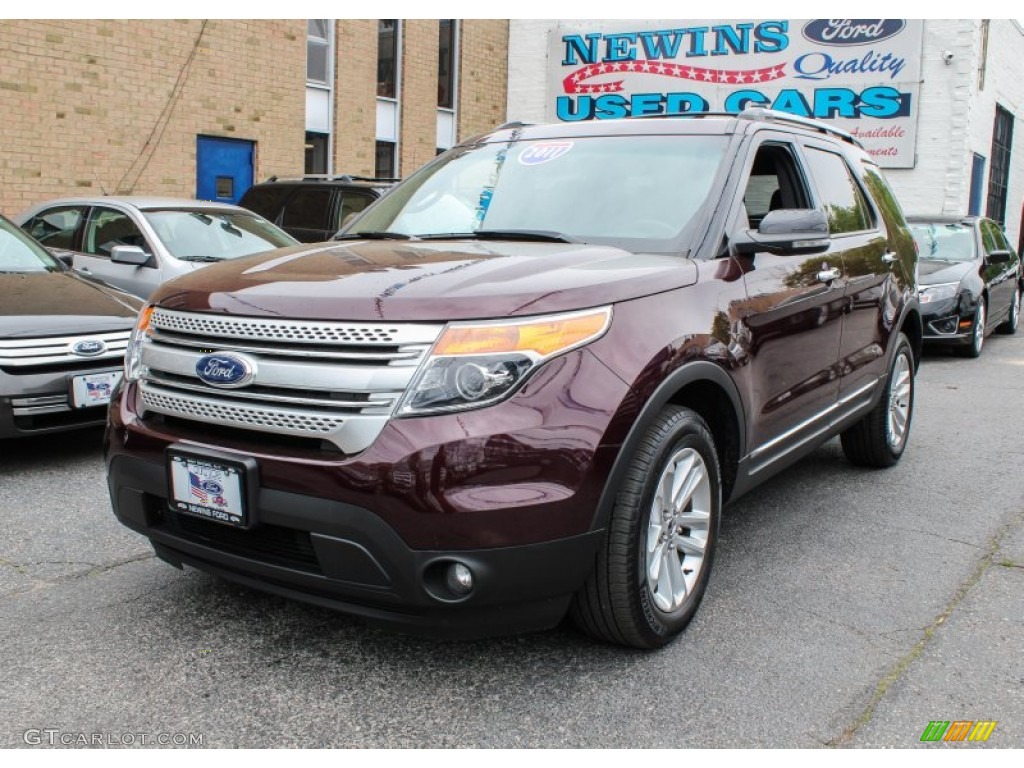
133 368
477 364
932 293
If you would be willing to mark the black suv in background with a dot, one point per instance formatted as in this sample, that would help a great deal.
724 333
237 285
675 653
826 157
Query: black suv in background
312 208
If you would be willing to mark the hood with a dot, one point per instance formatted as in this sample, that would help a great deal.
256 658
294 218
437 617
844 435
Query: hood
935 271
433 281
61 303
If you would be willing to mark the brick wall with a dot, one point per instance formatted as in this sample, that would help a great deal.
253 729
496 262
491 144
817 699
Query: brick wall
483 75
418 138
80 99
355 98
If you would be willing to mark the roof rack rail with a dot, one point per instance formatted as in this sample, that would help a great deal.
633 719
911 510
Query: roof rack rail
331 177
761 114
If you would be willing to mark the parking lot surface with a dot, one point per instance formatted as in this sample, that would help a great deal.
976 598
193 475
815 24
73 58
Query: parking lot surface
848 607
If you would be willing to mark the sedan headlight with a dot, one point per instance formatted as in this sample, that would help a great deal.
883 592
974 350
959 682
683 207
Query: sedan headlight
480 363
133 368
931 293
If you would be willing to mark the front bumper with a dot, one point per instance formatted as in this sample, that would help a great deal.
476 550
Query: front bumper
946 322
344 557
41 403
500 490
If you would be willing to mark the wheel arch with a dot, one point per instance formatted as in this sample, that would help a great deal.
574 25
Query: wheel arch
708 390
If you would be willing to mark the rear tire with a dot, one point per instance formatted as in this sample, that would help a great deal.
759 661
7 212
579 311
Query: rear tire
1013 319
879 439
653 566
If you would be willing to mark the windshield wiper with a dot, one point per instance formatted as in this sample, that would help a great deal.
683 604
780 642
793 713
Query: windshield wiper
201 258
532 235
372 236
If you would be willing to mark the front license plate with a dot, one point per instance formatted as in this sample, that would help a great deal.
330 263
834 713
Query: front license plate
93 388
208 488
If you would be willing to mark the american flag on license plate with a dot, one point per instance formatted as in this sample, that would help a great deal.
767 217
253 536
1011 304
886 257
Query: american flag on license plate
196 484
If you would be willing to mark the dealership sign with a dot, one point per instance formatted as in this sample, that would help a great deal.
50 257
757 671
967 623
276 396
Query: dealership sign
862 75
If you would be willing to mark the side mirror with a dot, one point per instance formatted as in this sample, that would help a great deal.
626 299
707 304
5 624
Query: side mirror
130 254
64 257
998 257
787 231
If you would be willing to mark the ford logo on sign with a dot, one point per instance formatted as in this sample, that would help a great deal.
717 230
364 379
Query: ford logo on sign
88 348
225 370
852 31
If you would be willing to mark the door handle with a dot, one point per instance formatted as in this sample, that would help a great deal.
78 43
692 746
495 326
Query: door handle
890 258
828 275
85 270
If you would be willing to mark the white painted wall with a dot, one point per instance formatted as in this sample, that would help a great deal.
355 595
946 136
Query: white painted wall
954 117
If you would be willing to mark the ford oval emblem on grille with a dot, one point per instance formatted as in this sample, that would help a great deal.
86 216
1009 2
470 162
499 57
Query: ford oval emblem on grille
225 370
88 348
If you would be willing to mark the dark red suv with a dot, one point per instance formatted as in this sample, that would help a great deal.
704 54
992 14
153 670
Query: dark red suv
524 382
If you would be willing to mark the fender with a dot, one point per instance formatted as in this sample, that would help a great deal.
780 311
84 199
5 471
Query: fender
688 373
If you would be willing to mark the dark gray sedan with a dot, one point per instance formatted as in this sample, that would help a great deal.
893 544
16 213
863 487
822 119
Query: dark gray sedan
62 340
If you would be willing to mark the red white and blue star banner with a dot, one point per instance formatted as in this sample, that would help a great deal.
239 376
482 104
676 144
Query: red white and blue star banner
861 74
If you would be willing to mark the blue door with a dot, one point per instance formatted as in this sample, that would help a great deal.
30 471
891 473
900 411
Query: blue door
223 168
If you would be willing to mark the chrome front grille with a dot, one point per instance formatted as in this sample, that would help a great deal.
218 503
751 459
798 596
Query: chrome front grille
302 331
338 382
56 350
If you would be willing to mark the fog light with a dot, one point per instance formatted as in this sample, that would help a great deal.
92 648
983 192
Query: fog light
459 579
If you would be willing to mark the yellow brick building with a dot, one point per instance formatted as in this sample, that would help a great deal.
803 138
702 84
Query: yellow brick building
121 106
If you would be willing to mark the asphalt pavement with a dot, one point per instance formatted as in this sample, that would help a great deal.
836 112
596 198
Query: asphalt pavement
847 608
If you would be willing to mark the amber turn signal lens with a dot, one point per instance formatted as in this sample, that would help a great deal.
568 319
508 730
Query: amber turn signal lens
544 337
142 324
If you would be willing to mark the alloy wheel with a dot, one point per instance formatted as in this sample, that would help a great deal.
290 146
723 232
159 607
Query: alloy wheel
902 381
678 527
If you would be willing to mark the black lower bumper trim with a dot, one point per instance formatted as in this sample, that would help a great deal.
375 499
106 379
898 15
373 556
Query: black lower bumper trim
347 558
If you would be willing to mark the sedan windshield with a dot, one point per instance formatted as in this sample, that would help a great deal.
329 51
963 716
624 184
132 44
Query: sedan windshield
634 192
211 235
944 241
20 253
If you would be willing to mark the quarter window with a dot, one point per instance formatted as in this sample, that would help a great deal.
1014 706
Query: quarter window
844 203
56 227
308 209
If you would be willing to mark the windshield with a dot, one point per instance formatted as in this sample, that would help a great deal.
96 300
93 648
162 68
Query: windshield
211 234
946 242
634 192
20 253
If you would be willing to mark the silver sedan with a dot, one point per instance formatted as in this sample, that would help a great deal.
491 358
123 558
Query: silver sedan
136 243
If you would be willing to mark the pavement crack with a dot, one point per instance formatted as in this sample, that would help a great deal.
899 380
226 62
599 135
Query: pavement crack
1009 564
18 567
937 535
903 663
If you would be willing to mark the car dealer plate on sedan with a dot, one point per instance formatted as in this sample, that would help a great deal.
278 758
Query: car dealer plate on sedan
93 388
207 488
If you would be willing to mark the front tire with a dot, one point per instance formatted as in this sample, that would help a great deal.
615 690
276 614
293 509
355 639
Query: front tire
973 350
653 567
879 439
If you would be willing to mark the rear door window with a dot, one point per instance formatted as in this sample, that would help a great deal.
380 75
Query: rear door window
843 201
